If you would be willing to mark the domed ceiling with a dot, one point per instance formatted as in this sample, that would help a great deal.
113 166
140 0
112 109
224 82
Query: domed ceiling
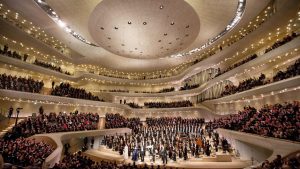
135 35
144 29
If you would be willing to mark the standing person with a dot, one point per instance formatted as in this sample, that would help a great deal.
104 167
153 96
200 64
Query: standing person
41 110
164 156
126 152
53 83
10 112
135 154
185 155
142 153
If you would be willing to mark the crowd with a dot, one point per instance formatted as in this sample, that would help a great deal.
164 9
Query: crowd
291 71
134 105
50 66
66 90
167 138
118 121
280 163
20 84
53 122
25 152
279 43
245 85
249 58
189 87
12 54
79 161
278 120
185 103
165 90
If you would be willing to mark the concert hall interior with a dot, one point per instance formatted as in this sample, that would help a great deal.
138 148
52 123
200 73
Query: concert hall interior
144 84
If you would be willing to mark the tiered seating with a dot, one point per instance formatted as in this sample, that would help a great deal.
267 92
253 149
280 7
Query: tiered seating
66 90
248 59
12 54
54 123
50 66
189 87
278 120
118 121
185 103
279 43
20 84
25 152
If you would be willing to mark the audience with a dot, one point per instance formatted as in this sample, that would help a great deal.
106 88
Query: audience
79 161
248 59
185 103
189 87
278 120
165 90
50 66
66 90
285 40
12 54
20 84
245 85
280 163
291 71
52 122
118 121
25 152
134 105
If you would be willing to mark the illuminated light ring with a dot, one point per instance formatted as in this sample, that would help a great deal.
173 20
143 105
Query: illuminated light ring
238 16
52 14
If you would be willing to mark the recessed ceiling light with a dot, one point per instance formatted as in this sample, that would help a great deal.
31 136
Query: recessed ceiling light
144 23
161 7
172 23
129 22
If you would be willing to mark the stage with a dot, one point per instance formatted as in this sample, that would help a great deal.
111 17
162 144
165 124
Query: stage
224 161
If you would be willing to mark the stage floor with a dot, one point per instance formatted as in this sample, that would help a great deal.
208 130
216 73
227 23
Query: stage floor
192 163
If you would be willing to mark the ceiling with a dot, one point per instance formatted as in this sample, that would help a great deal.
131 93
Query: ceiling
136 35
143 29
